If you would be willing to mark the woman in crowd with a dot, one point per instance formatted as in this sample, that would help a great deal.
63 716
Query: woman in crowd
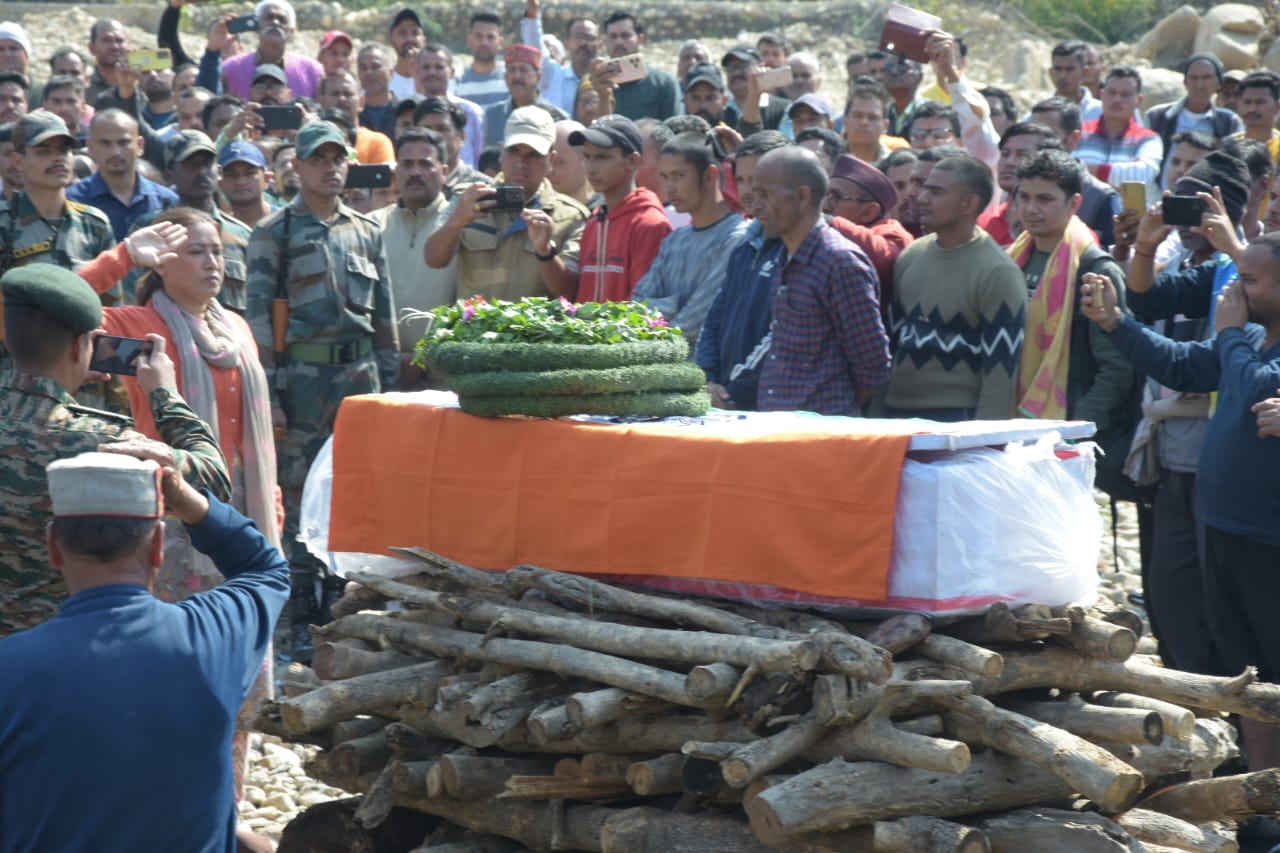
219 375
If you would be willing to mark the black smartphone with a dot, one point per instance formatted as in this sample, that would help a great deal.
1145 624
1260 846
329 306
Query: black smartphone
508 200
280 118
368 176
1181 210
117 355
243 24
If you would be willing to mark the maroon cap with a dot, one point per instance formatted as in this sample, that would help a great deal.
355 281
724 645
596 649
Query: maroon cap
869 178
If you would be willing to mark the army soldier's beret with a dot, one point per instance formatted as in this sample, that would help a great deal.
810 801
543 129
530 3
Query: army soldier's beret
58 292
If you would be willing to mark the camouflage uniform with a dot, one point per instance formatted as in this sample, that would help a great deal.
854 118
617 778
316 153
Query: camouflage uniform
83 233
41 422
235 252
341 334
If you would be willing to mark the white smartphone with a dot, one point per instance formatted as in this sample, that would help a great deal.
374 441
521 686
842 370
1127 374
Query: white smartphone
775 78
624 69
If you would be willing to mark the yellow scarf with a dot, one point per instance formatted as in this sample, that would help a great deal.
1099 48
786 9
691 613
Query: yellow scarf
1046 347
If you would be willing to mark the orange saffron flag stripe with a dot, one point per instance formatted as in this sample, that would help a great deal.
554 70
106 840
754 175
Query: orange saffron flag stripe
810 510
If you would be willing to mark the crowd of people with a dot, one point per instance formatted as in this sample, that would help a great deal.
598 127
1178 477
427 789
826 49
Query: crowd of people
275 224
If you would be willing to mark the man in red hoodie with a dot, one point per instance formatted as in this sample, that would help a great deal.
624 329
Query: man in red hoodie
622 236
858 198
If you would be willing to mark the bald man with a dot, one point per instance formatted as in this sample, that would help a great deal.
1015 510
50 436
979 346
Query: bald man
117 188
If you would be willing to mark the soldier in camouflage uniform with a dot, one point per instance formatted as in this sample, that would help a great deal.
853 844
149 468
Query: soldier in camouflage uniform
39 225
325 262
192 170
49 313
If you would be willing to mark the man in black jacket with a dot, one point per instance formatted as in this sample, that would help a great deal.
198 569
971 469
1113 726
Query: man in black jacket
1201 77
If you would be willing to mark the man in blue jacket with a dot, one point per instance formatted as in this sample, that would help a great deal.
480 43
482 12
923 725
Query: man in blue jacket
1237 487
116 716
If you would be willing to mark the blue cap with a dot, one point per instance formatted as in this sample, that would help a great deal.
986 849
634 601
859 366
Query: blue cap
239 151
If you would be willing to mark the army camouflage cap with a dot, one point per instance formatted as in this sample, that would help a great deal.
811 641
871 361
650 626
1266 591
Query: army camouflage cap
58 292
315 134
185 143
40 126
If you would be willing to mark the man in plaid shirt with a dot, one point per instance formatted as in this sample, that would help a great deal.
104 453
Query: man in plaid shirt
1116 148
829 351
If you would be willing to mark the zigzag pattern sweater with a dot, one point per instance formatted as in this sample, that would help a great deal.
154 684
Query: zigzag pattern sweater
957 321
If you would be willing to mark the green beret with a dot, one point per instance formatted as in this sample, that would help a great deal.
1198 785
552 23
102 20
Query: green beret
58 292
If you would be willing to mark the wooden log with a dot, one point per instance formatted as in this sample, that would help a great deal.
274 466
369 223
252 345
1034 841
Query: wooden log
605 768
298 679
1088 768
755 759
656 776
926 835
1178 721
342 700
1224 798
956 652
1094 722
362 755
565 661
841 651
1212 743
561 788
898 633
693 647
472 777
875 738
408 744
336 661
840 700
648 734
549 721
772 695
1095 638
999 624
492 710
345 730
448 691
712 684
1064 669
1152 827
1056 831
355 599
537 825
929 724
837 795
588 710
567 767
410 777
1127 618
440 567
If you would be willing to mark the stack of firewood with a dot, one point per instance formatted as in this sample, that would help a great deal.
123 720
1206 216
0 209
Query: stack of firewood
531 709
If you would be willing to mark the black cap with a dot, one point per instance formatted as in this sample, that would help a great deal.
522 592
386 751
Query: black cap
703 72
402 15
611 131
741 52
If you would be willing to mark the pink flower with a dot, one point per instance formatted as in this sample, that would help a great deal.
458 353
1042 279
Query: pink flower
568 307
468 311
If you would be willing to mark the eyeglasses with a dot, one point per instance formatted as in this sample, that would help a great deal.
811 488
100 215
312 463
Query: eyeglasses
940 134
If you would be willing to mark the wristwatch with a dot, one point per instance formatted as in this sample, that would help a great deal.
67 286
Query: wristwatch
552 251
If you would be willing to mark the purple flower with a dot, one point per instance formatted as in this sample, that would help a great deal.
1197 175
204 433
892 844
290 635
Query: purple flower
468 311
569 307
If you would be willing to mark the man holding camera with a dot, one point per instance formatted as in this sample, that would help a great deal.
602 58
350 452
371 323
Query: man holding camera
324 264
519 239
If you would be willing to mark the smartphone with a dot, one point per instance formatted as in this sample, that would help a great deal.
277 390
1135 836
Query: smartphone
368 176
287 117
243 24
775 78
117 355
1182 210
1133 196
508 199
905 32
627 68
150 59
